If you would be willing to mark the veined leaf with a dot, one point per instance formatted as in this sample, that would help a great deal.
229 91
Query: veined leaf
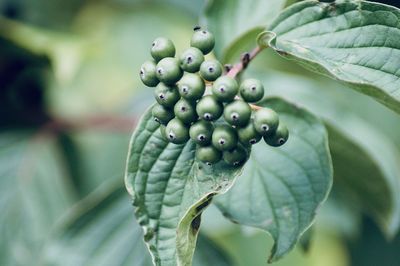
101 230
231 21
34 192
356 42
366 162
281 189
170 189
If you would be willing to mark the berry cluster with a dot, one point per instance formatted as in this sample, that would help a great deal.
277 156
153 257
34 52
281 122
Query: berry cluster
223 125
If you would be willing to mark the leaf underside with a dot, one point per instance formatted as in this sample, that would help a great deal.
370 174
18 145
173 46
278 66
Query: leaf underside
356 42
282 188
170 189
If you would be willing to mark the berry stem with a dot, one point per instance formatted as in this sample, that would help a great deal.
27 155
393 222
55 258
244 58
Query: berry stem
246 59
239 67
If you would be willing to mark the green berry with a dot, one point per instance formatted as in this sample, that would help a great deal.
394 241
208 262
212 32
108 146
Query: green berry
166 95
201 132
237 113
161 48
163 132
185 111
236 156
177 132
210 70
191 87
148 74
168 70
224 138
266 121
191 59
203 40
162 114
209 109
279 137
251 90
225 89
208 154
248 134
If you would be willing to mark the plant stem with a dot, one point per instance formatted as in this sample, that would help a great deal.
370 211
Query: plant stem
239 67
246 59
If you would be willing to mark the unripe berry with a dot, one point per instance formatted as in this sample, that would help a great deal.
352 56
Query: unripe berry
177 132
148 74
191 87
161 48
279 137
248 134
168 70
209 109
185 111
161 114
208 154
166 95
201 132
251 90
266 121
203 40
237 113
191 59
225 89
224 138
236 156
210 70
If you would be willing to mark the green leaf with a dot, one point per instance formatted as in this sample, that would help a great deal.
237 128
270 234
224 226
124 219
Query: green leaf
170 189
101 230
34 192
366 162
355 42
233 21
281 189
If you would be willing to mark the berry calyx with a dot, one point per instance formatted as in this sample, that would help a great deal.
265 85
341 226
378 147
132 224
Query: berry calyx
208 154
148 74
210 70
279 137
201 132
168 70
237 113
191 59
225 89
266 121
251 90
162 114
224 138
161 48
191 87
203 40
209 109
236 156
177 132
185 111
166 95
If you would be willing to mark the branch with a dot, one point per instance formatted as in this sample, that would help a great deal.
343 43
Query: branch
245 60
239 67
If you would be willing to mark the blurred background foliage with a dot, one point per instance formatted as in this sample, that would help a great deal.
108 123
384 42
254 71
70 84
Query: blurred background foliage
69 99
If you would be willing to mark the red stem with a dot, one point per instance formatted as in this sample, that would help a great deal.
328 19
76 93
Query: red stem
237 68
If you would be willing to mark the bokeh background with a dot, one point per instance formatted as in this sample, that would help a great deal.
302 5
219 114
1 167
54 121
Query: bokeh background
70 96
